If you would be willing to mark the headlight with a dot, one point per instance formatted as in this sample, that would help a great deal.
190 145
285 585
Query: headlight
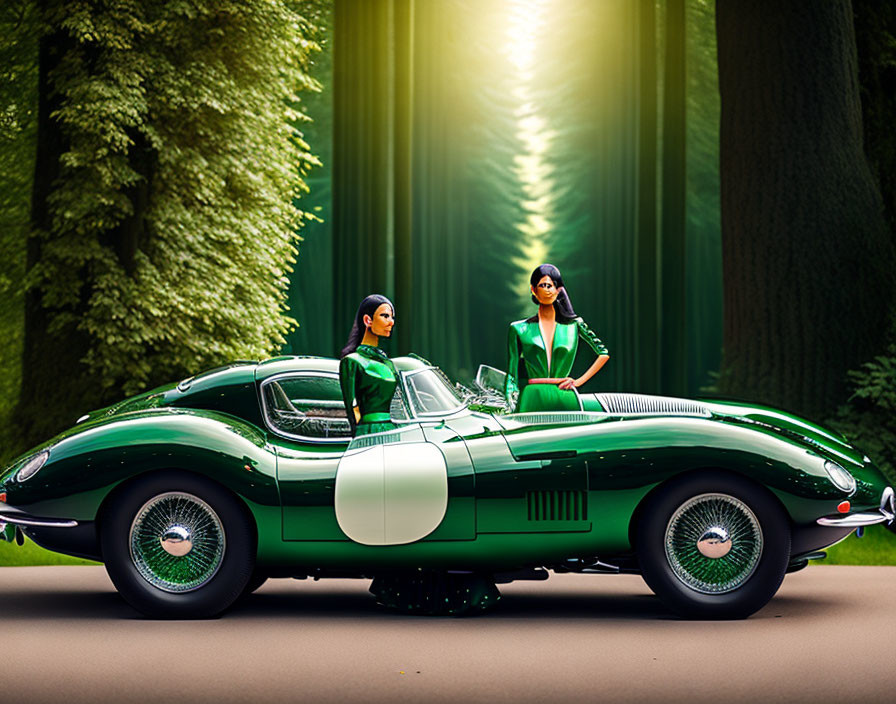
29 469
842 479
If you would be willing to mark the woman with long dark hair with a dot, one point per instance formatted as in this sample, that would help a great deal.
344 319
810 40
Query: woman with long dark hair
367 376
547 343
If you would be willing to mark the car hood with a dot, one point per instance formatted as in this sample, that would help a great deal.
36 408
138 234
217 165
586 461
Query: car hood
791 426
613 407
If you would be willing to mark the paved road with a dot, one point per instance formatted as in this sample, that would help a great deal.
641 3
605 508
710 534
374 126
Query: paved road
828 636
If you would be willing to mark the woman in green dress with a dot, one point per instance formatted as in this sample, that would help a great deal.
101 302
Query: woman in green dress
368 380
367 376
546 344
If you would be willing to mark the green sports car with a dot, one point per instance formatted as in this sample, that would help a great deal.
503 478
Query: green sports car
194 493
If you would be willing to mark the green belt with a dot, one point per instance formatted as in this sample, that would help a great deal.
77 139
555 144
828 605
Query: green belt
375 418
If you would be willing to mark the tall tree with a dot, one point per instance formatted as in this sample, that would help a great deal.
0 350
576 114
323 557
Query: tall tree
673 363
424 145
494 195
603 159
869 417
703 278
18 107
371 152
807 261
646 319
162 222
875 23
312 273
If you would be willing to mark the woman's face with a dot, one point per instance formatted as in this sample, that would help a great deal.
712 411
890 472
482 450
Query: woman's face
545 291
382 321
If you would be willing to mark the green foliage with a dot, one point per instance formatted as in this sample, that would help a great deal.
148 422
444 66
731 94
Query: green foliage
869 417
18 98
172 229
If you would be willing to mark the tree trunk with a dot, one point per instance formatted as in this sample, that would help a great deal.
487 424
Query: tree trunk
646 322
673 361
57 387
808 266
371 154
51 383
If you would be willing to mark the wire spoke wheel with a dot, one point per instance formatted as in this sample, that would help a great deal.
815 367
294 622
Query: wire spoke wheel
177 542
713 543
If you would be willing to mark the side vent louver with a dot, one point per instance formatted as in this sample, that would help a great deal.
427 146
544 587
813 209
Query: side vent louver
543 418
557 506
642 403
375 439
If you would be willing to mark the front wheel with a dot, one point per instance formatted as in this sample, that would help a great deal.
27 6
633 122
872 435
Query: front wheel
713 546
256 581
178 546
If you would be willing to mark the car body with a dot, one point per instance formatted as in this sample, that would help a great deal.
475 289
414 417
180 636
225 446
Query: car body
194 493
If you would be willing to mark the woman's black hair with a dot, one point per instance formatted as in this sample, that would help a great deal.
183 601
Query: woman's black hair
562 305
368 307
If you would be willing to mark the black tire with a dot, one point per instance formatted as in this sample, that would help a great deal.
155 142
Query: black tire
254 584
722 586
205 580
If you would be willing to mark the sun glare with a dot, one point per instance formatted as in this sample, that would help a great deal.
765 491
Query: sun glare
535 173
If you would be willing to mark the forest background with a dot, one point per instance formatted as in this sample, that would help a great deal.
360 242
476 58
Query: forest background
188 182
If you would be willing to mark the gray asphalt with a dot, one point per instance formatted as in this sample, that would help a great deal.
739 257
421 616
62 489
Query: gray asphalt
827 636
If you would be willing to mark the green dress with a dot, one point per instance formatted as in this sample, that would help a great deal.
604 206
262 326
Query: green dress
524 342
368 379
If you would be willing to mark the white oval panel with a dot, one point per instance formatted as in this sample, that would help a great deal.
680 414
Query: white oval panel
360 499
391 494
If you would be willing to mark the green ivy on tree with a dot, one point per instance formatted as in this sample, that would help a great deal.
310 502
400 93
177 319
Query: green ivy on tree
168 160
869 418
18 113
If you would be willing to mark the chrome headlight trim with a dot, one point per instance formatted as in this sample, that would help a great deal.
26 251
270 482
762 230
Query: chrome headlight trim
31 467
840 477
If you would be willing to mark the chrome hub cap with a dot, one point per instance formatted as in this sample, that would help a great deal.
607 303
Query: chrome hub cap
713 543
177 542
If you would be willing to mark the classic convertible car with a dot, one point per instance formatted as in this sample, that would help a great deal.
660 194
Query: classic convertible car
193 494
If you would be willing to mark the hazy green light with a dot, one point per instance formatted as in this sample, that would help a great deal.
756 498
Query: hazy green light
532 167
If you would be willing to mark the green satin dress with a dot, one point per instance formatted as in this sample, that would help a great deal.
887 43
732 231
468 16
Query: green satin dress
524 342
368 379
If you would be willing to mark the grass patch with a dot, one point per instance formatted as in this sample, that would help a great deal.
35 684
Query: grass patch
29 554
877 547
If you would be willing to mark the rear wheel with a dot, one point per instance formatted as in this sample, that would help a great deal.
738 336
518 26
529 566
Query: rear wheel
713 546
178 546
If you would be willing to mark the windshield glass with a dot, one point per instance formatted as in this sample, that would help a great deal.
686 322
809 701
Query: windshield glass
430 392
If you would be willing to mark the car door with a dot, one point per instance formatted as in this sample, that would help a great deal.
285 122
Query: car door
412 484
334 487
306 413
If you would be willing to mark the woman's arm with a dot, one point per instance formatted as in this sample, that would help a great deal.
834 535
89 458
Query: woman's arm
347 368
569 382
599 348
513 363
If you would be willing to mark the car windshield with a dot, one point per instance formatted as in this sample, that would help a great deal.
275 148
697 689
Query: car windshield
430 393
